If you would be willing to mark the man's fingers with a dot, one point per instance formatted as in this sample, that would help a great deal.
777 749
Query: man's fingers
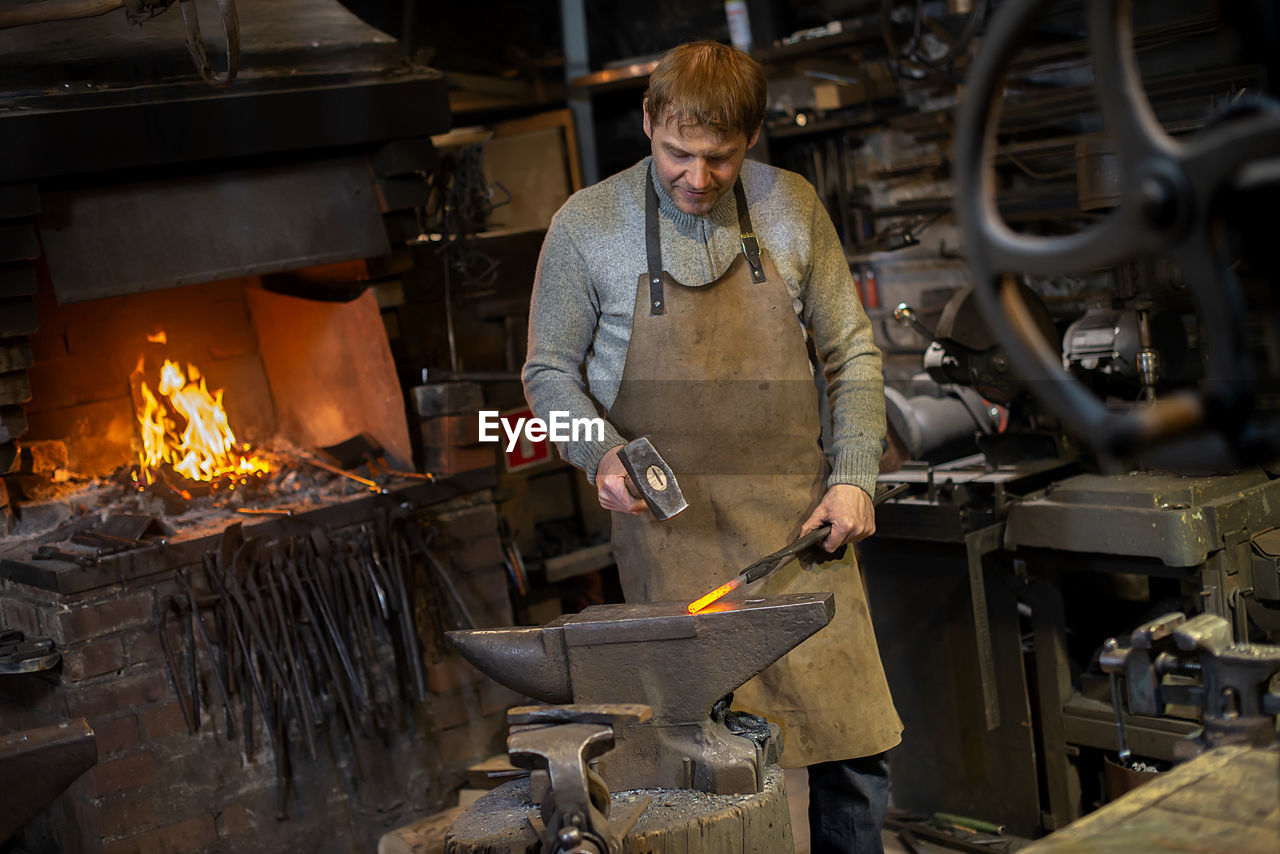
614 496
621 507
815 521
630 487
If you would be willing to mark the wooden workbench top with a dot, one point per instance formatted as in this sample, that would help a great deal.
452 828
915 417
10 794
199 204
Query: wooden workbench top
1225 800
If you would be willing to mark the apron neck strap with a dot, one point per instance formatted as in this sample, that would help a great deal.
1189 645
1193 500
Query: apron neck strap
653 245
653 242
747 234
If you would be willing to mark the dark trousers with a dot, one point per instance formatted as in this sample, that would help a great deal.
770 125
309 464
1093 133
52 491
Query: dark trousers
847 803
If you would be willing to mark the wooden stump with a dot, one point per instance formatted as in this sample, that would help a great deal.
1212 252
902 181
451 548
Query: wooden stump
678 821
422 837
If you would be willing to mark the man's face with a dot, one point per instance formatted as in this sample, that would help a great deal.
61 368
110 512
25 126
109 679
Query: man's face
695 166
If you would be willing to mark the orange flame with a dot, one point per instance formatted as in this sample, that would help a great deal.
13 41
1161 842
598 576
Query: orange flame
714 595
204 447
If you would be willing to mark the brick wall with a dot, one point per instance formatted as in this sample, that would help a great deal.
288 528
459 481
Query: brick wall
158 787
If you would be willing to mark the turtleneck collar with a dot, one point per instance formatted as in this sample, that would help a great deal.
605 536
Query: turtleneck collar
724 212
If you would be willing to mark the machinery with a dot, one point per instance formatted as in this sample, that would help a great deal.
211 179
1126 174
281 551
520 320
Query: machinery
1093 470
1173 198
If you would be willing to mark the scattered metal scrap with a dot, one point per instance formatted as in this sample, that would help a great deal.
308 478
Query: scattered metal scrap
951 832
365 450
92 539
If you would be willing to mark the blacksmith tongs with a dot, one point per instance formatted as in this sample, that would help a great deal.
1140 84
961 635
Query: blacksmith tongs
769 563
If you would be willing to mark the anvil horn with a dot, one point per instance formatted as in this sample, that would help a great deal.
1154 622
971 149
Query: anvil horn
530 661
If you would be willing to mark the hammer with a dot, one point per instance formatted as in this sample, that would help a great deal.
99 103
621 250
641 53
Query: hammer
649 477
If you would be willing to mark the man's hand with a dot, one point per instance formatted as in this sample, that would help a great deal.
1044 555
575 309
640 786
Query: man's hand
850 512
611 486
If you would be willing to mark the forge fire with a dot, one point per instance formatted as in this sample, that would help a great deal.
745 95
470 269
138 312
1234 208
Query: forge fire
185 430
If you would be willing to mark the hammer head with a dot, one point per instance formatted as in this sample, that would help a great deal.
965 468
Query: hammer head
654 479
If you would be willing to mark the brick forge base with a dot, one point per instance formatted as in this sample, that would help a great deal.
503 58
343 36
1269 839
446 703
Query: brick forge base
159 788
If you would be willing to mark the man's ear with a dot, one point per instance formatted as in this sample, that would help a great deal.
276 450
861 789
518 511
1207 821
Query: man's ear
648 126
755 136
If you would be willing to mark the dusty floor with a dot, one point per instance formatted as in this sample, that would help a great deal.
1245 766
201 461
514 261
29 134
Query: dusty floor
798 796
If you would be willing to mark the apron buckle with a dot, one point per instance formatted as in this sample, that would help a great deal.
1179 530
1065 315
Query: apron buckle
751 251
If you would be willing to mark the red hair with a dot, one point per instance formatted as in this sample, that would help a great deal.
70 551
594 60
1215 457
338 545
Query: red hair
710 85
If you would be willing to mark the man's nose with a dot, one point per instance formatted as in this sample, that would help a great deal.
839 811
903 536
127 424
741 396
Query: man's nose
699 175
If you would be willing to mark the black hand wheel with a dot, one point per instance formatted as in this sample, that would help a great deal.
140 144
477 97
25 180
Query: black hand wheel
1168 188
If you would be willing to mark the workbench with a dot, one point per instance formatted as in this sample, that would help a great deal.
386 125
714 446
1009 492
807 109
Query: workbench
1225 800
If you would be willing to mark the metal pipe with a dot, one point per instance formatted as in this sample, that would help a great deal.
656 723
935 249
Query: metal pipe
905 315
1121 741
458 602
1148 357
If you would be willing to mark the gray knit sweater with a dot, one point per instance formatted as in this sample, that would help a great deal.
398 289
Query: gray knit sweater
585 290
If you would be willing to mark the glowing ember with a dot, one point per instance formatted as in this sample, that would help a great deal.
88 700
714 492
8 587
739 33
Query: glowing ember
701 604
186 428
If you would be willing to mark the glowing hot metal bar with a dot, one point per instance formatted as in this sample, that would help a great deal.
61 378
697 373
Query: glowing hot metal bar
728 587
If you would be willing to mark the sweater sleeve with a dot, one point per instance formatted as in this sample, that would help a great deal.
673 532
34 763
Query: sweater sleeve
563 314
845 343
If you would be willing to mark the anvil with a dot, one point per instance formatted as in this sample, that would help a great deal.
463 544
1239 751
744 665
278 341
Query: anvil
659 655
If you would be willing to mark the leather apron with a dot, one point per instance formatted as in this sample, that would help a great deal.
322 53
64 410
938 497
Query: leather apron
719 378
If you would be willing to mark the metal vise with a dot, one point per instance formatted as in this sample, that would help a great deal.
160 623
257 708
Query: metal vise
1233 687
659 655
557 743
